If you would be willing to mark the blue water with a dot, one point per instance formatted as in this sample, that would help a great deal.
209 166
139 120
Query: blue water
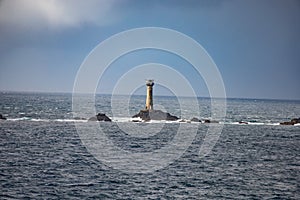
43 157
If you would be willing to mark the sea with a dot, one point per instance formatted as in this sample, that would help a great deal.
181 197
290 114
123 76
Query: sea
44 155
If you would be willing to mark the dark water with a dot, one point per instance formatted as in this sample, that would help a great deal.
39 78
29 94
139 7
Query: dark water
42 156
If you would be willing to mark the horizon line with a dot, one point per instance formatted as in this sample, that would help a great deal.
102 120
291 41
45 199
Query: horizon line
64 92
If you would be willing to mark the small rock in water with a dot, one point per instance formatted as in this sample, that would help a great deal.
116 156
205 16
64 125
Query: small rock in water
295 120
2 118
210 121
292 122
194 119
286 123
100 117
135 120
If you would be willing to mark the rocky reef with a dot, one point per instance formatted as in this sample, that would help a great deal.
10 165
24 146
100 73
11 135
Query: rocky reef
210 121
147 115
292 122
100 117
195 119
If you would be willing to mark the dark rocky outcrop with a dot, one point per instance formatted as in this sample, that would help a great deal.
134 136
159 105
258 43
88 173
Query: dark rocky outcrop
295 120
195 119
286 123
100 117
147 115
292 122
2 117
210 121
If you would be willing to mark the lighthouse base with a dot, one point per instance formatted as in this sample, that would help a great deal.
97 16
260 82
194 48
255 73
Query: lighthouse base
147 115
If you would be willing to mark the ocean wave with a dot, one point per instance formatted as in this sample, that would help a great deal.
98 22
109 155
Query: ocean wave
138 120
28 119
45 120
70 120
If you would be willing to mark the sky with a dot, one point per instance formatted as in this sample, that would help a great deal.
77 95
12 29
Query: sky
254 43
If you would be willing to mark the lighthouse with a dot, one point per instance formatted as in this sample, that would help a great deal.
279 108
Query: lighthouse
149 113
149 98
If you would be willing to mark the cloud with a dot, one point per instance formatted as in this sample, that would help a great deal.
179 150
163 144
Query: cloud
32 14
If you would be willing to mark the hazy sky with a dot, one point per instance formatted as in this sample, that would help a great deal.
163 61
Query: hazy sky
255 44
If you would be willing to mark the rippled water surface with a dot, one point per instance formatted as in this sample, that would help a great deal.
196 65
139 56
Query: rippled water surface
43 157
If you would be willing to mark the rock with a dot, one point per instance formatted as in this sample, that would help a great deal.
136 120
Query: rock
253 121
93 119
295 120
286 123
147 115
210 121
103 117
194 119
100 117
2 118
292 122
